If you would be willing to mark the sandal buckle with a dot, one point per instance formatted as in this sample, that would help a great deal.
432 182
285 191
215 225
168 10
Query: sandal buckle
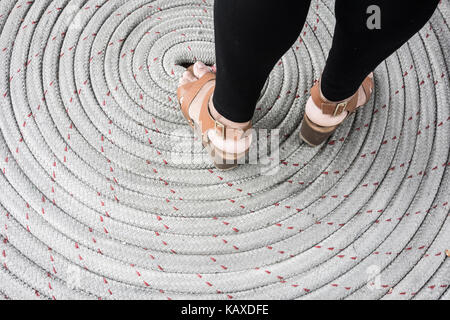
341 107
218 125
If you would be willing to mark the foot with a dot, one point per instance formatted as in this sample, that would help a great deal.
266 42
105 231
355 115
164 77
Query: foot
316 115
198 71
229 146
323 117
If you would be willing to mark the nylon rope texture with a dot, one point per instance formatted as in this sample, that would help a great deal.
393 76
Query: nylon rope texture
95 204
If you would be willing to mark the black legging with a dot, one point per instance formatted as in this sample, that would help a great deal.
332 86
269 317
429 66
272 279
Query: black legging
252 35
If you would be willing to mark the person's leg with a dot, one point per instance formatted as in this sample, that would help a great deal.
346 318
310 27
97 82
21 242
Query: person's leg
251 36
358 50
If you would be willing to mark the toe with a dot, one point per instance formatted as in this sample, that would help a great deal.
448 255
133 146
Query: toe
182 82
200 69
187 77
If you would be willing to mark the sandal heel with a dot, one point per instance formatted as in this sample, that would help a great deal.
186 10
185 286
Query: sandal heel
225 167
313 134
222 163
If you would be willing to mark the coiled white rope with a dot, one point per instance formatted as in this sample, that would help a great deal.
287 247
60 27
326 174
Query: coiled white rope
94 203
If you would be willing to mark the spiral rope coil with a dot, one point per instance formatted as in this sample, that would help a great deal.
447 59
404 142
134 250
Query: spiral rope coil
95 204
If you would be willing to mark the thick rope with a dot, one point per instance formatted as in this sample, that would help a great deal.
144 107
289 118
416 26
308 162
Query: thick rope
96 204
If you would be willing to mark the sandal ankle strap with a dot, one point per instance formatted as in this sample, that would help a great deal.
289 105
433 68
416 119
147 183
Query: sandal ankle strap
231 133
209 123
331 107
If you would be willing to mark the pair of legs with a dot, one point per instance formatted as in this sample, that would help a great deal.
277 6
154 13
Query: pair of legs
252 35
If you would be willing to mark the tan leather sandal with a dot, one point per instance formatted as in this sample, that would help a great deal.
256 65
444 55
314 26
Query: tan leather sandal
223 153
314 134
